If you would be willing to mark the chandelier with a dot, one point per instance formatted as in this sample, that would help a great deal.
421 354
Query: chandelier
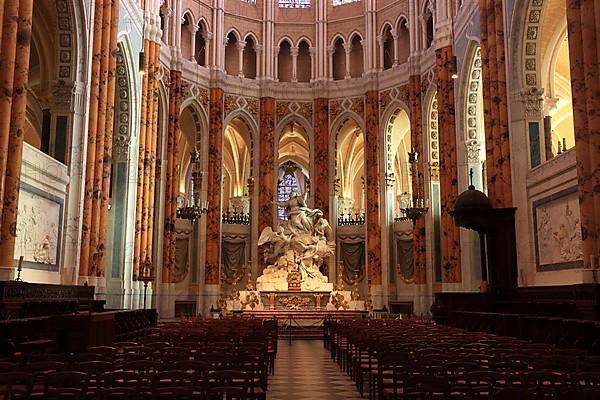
415 207
194 208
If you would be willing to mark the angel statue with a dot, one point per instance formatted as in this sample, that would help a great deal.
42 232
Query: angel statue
305 233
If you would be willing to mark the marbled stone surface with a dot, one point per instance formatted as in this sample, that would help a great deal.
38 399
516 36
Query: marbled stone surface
321 156
12 177
172 176
372 180
416 131
451 269
267 169
584 55
213 217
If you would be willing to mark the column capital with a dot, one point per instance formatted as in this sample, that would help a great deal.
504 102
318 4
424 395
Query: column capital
312 50
331 50
294 50
240 45
193 29
258 47
166 10
207 35
348 47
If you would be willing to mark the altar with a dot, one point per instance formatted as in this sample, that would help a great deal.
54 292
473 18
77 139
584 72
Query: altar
292 281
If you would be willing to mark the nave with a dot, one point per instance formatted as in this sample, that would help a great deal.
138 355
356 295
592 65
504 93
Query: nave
304 370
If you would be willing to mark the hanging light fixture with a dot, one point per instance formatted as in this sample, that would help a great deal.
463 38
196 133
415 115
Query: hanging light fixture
454 67
195 207
416 206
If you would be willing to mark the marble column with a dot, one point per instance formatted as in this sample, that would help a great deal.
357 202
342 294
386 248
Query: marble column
153 126
94 227
294 53
267 169
372 180
583 55
240 47
348 51
213 217
193 31
137 247
12 179
321 155
416 133
451 268
94 94
108 140
8 51
172 176
495 103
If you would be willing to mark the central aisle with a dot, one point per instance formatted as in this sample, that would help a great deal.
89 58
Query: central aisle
305 371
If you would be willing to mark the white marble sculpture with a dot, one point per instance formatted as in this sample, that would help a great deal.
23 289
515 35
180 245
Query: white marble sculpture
307 236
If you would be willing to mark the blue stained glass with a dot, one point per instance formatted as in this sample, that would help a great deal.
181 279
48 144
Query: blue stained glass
294 3
287 185
340 2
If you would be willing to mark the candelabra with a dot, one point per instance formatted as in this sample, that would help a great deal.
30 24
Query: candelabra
416 206
195 208
146 276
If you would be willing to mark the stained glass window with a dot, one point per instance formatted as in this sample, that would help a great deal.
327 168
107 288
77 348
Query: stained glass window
294 3
340 2
287 184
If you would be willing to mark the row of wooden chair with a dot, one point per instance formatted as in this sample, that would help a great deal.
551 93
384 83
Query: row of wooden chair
201 359
414 359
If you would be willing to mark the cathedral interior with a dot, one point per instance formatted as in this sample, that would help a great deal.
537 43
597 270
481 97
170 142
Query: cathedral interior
335 162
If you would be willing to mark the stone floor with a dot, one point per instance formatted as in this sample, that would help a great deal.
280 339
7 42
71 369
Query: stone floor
304 370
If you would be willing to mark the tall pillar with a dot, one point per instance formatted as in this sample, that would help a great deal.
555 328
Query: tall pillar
348 51
172 176
396 51
12 178
416 133
213 217
108 142
321 155
294 53
451 268
146 163
267 169
313 61
193 32
94 227
207 39
8 51
258 48
84 260
582 21
372 179
495 103
330 51
240 47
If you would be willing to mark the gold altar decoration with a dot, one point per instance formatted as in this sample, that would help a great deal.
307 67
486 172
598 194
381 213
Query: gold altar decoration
251 301
318 297
340 278
339 301
355 295
235 294
249 283
295 302
293 278
272 297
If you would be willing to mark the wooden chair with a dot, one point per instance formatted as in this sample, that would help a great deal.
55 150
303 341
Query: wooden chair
16 385
117 393
66 385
